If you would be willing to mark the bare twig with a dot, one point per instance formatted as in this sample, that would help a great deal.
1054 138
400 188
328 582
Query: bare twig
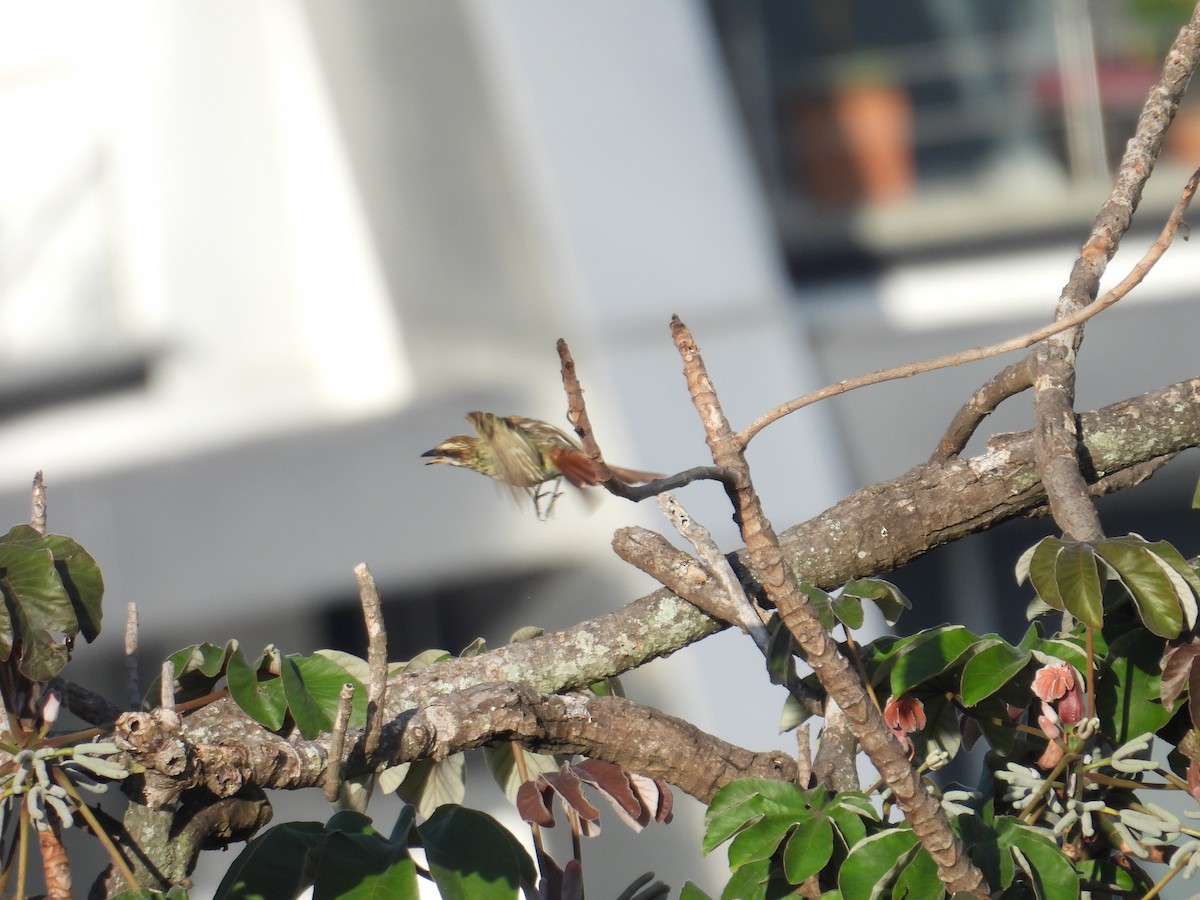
804 756
377 662
166 685
1013 378
577 412
737 608
1057 441
133 689
907 370
578 417
924 814
37 517
729 603
337 742
87 705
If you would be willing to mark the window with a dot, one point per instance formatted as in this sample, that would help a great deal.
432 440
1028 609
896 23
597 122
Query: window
884 129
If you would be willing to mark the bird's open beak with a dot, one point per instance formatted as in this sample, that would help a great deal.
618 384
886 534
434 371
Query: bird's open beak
435 456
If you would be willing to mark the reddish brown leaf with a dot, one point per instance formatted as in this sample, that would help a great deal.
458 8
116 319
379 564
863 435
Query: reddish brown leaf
1194 695
570 789
666 803
1193 779
533 804
572 883
1176 665
613 782
550 887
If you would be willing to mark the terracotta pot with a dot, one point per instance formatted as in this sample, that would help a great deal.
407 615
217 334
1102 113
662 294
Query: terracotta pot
853 145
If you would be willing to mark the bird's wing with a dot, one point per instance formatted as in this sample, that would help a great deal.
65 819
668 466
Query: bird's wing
560 450
514 457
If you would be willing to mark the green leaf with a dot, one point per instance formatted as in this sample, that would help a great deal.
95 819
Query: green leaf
691 892
607 687
1063 650
472 857
848 610
477 646
822 603
363 867
1150 587
429 784
849 811
746 800
753 882
526 633
1042 564
849 824
918 878
272 865
942 728
312 686
37 610
501 763
808 849
1079 583
391 777
1126 688
793 715
1196 497
1055 875
872 862
425 659
1022 567
989 670
197 668
886 596
204 659
1172 557
81 577
759 841
1107 872
260 700
780 648
927 655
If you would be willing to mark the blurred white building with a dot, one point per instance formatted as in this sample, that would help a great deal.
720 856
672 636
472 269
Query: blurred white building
256 257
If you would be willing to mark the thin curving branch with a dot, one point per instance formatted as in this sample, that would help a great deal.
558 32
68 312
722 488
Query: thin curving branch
1011 380
578 417
923 812
1015 378
1057 437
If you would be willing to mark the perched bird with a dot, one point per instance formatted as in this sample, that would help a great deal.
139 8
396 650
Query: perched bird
524 454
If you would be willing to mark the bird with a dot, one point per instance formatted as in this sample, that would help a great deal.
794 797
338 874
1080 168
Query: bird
524 454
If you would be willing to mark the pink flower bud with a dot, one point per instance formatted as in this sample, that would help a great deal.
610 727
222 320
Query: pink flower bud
1052 682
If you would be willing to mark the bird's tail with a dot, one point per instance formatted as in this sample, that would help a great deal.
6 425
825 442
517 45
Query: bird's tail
633 476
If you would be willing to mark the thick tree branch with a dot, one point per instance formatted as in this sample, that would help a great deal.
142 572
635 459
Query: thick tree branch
613 729
873 530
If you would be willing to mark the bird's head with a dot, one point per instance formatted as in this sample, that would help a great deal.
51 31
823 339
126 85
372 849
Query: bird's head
459 450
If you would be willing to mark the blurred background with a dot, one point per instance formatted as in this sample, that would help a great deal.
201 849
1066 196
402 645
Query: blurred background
256 257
